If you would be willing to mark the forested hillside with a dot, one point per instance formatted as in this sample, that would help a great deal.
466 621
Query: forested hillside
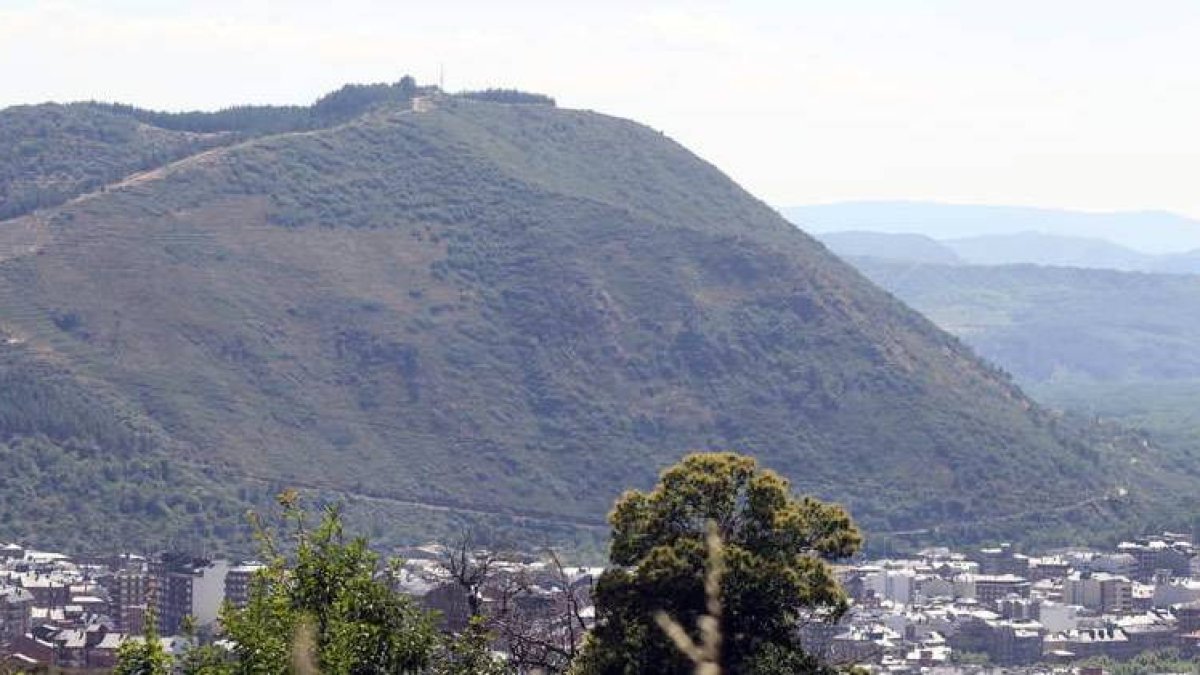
453 310
57 152
1120 345
1046 323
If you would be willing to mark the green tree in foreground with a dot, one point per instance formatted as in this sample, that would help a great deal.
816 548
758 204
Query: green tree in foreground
331 606
326 606
775 570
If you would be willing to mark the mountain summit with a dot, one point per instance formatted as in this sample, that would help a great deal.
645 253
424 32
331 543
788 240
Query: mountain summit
449 309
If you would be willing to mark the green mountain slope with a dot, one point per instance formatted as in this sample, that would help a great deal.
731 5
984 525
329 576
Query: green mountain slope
1047 249
55 152
1155 232
508 314
83 469
1020 248
908 247
1120 345
1049 323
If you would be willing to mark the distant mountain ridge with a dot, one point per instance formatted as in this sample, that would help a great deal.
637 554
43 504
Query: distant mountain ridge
1019 248
1047 323
907 247
1037 248
1101 342
1082 322
1152 232
459 312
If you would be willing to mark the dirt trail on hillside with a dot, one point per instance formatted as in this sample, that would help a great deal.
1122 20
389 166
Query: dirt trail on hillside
30 233
27 234
160 172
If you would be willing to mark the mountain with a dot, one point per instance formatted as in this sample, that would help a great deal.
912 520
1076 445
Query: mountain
1043 323
1117 344
1187 262
1059 251
1021 248
1047 249
453 311
910 247
54 152
1033 248
1154 232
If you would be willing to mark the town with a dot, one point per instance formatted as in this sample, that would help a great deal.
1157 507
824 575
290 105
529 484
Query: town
994 606
74 612
939 611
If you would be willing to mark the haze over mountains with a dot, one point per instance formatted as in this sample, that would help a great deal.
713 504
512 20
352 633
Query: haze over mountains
451 311
1151 232
1053 323
1033 248
1076 320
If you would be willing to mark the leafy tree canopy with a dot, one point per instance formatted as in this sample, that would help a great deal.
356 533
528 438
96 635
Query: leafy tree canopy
331 606
776 549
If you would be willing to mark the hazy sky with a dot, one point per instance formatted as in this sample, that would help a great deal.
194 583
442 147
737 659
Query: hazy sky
1089 105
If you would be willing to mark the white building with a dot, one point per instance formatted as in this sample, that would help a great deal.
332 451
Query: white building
208 592
1058 617
892 584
